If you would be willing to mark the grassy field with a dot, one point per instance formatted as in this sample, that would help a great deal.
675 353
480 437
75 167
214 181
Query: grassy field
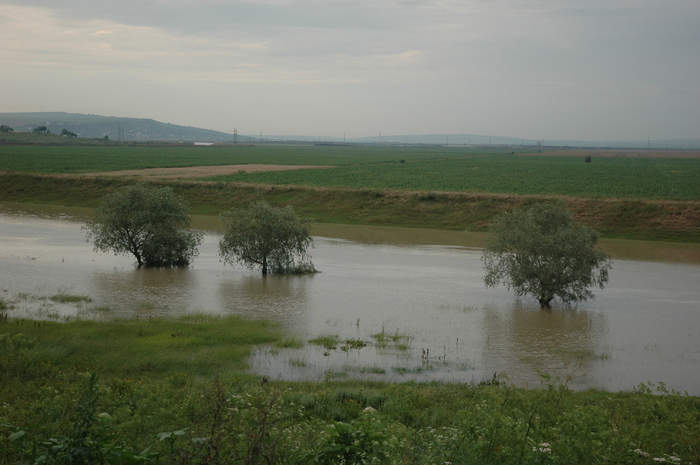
172 391
438 169
639 178
80 159
649 198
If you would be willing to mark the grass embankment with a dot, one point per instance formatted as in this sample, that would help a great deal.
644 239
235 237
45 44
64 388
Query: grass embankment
171 391
615 218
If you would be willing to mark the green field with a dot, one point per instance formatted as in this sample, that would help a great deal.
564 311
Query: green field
427 187
172 392
649 178
81 159
436 169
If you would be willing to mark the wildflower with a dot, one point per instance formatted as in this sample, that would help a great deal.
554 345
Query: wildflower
673 458
544 448
659 459
104 415
641 452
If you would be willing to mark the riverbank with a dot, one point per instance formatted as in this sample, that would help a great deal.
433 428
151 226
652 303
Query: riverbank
659 220
165 402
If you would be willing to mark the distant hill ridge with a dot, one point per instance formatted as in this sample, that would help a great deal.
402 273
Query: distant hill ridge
144 129
115 128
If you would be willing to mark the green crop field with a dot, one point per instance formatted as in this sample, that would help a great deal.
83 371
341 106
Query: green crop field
425 168
649 178
81 159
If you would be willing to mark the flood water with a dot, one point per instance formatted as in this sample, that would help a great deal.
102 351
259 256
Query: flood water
416 298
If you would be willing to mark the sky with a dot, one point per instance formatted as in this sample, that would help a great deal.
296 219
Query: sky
534 69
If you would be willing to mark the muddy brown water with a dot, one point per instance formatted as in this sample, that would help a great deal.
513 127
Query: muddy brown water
415 297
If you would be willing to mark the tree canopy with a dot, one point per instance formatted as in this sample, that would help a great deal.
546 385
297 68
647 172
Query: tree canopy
150 223
274 239
544 252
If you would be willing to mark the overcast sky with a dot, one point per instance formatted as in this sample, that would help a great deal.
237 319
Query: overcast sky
552 69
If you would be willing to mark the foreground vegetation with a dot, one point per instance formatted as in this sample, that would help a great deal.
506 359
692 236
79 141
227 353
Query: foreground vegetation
171 391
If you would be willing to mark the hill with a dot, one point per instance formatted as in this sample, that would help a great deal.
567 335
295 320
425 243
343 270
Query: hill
114 128
144 129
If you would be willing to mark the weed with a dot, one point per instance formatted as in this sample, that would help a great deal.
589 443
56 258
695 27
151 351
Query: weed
350 344
396 340
288 343
327 342
295 362
146 306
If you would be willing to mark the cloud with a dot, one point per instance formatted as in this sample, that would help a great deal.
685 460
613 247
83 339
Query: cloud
423 65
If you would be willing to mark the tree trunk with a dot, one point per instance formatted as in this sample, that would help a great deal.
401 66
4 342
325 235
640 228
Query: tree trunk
544 302
264 266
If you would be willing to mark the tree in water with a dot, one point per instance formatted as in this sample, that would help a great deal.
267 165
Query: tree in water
274 239
152 224
544 252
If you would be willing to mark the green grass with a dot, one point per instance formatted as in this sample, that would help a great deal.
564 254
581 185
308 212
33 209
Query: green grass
181 393
639 178
80 159
387 340
201 345
327 342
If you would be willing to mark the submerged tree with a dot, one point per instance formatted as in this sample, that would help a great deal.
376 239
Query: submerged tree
543 251
274 239
150 223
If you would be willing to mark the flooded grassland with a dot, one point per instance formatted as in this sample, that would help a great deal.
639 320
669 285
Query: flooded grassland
389 304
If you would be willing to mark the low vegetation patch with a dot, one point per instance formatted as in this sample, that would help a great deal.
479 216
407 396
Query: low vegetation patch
181 397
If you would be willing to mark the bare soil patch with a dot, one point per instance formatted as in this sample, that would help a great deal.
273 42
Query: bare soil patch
201 171
622 153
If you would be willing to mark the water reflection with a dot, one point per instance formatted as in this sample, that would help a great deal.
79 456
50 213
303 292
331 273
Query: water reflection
524 339
147 290
278 298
